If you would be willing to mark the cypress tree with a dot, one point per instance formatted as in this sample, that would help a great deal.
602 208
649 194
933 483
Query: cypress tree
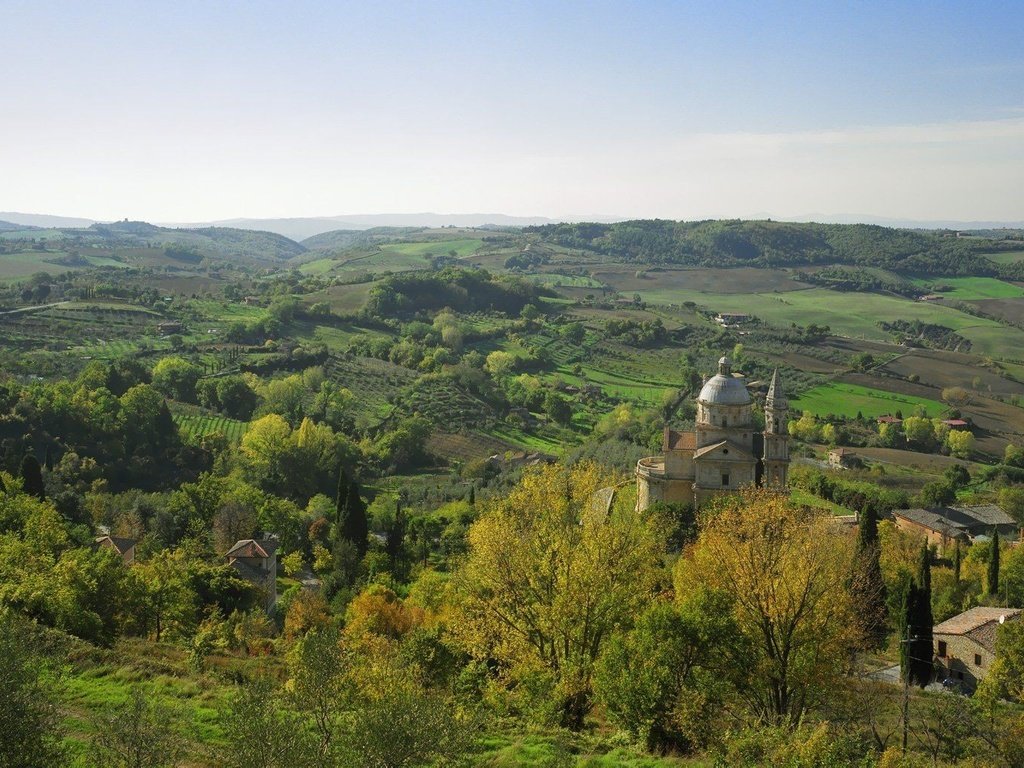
32 477
993 565
915 641
956 562
920 621
867 533
351 524
924 568
395 537
868 586
472 495
906 622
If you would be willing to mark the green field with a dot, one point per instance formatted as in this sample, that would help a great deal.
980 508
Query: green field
971 288
334 338
853 314
1006 258
342 299
462 247
807 499
226 311
850 399
318 267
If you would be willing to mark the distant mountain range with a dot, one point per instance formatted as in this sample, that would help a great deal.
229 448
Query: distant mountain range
882 221
44 220
299 229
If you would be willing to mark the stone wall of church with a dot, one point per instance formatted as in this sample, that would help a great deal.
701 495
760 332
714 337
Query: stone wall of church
679 463
710 475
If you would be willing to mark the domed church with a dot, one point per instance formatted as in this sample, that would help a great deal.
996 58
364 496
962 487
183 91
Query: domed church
724 453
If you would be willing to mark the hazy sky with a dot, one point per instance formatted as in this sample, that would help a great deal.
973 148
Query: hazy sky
185 111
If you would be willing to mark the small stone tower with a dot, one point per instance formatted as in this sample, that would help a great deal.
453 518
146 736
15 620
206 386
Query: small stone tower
776 435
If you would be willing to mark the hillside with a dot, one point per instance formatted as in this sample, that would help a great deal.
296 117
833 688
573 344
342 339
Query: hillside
215 242
777 244
343 239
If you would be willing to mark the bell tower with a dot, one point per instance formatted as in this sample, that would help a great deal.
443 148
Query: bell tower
776 435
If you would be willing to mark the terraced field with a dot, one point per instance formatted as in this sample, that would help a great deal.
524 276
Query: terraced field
555 280
375 382
447 406
466 446
617 370
531 442
200 425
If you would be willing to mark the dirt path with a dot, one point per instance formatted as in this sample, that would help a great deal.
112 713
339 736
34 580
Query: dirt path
34 308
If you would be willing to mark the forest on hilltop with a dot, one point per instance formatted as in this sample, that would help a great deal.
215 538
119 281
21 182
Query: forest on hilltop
728 243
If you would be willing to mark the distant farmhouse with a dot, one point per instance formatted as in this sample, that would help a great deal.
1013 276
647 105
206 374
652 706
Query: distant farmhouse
168 327
965 645
255 560
844 458
725 452
944 525
727 319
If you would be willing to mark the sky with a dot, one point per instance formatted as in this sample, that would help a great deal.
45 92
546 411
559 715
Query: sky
197 111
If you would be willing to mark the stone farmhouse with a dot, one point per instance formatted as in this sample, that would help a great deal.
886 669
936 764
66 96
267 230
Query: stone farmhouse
255 560
943 525
843 458
965 645
725 452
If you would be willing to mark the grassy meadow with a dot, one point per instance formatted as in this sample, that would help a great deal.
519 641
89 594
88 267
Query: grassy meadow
970 288
841 399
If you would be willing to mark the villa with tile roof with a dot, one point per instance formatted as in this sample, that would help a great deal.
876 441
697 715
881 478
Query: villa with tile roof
255 560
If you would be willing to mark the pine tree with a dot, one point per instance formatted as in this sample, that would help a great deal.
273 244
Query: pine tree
351 524
32 477
993 565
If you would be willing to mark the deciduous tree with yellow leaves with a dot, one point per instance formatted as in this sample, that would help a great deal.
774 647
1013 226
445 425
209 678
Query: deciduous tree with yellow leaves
552 570
787 570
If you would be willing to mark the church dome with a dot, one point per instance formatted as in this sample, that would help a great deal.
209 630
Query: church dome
723 388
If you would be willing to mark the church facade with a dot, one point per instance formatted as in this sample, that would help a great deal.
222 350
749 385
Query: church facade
724 452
